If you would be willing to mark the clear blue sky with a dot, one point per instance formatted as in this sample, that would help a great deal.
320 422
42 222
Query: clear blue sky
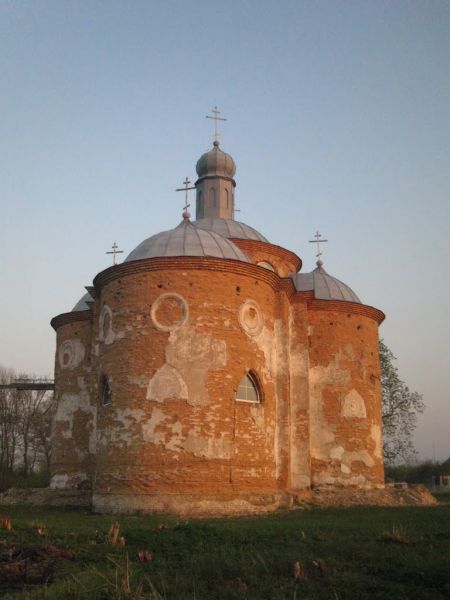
338 120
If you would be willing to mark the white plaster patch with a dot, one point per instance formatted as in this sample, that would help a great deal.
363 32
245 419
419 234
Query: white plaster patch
257 415
70 354
322 432
105 328
375 434
193 355
59 482
209 447
353 406
337 452
359 456
68 404
250 318
165 384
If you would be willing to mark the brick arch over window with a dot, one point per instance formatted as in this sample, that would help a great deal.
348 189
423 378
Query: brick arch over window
249 389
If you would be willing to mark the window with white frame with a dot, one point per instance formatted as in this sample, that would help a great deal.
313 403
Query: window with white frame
249 389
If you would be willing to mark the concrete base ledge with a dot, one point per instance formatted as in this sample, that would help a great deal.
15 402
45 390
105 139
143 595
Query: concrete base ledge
47 497
211 505
191 504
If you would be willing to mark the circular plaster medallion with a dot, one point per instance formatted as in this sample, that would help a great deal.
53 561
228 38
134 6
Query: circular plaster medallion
250 317
70 354
169 311
105 324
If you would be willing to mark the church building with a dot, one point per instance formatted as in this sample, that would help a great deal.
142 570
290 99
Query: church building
207 373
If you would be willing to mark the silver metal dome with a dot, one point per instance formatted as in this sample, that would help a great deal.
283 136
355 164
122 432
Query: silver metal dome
325 286
81 304
229 228
215 162
187 240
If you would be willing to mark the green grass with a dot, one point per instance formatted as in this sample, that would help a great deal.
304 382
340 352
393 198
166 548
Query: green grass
362 552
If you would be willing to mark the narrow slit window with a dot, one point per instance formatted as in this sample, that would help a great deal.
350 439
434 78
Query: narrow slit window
249 389
105 392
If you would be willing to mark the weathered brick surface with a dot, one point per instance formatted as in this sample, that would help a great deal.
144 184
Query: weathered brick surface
74 420
174 337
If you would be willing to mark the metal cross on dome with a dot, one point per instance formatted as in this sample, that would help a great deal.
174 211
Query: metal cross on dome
215 116
186 188
114 252
318 240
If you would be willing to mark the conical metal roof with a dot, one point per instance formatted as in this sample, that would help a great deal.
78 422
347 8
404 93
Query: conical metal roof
325 286
187 240
81 304
230 228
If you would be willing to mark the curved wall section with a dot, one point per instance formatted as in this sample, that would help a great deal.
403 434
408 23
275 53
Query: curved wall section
345 394
175 355
73 427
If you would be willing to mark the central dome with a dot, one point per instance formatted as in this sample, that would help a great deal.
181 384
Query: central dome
229 228
215 162
187 240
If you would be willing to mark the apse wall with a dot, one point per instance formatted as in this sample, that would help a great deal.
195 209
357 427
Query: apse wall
345 396
174 338
73 428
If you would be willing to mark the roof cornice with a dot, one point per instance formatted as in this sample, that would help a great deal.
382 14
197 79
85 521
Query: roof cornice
70 317
283 253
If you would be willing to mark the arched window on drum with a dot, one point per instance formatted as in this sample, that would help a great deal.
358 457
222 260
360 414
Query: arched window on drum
249 389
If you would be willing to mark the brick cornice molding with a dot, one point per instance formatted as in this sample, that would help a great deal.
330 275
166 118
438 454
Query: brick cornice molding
186 263
70 317
278 251
343 306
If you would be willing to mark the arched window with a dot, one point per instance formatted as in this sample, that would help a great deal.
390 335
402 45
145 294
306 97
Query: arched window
227 201
105 392
212 195
266 265
249 389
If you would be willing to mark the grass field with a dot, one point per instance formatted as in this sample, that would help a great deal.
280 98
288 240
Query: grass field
363 552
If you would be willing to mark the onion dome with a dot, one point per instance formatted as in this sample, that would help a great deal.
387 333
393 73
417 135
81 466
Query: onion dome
215 163
82 303
229 228
187 240
325 286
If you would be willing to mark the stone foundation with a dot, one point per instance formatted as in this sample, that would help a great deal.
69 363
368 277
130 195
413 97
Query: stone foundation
192 505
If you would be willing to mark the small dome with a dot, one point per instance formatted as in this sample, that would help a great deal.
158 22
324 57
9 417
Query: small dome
215 162
82 303
229 228
187 240
325 286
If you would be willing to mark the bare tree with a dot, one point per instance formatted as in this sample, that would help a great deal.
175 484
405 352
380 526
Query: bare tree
25 421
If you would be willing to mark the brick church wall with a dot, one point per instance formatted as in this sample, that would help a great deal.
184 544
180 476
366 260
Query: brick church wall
174 348
345 396
73 429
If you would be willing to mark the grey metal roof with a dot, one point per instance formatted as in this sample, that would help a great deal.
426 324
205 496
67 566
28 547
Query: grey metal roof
81 304
187 240
215 162
325 286
230 228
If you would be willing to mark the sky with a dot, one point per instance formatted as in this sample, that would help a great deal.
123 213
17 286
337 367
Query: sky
337 119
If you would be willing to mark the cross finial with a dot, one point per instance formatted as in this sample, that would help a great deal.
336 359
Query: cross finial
318 240
114 252
185 189
215 115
